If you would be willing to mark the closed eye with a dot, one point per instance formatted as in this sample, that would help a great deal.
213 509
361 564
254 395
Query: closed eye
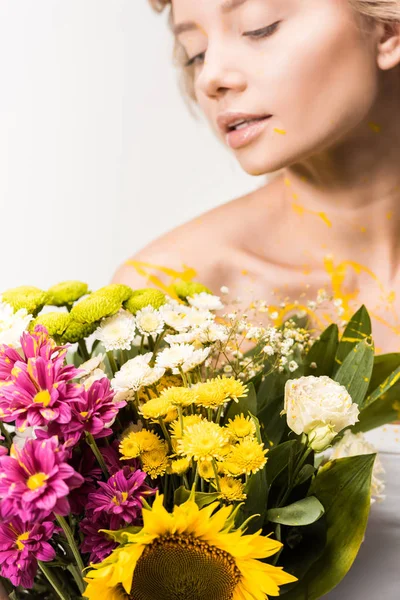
255 34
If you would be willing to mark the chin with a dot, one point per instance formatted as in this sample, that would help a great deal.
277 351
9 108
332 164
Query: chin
256 163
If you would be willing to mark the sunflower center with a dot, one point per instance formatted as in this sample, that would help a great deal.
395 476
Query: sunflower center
179 567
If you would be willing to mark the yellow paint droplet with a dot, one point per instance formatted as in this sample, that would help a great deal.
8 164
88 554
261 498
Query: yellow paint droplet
375 127
363 229
295 196
281 131
287 182
389 215
391 297
244 272
325 218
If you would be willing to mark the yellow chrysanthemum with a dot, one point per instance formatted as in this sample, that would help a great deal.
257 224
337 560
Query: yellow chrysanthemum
137 442
66 293
179 396
188 288
241 427
155 408
247 457
169 381
176 431
232 387
206 470
25 296
155 462
209 394
145 297
202 441
178 467
231 489
189 553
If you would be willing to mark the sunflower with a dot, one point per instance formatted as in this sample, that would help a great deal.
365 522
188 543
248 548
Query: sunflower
189 553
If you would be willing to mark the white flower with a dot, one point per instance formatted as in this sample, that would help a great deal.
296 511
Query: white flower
274 315
149 321
175 356
23 434
136 373
206 301
212 332
293 365
268 350
354 444
117 332
179 338
224 289
12 325
92 364
199 317
94 376
198 357
318 407
176 316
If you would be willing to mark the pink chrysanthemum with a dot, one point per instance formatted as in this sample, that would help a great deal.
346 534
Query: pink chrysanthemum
96 543
37 481
38 392
121 497
21 546
86 465
94 411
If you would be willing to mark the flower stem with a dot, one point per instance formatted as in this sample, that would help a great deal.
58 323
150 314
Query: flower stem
6 434
113 364
95 449
185 381
71 541
166 434
47 572
214 464
83 348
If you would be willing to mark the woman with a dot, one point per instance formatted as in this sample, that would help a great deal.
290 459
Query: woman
309 88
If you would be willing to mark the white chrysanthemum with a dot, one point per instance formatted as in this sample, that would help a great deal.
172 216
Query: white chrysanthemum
149 321
212 332
176 316
199 317
117 332
179 338
175 356
94 376
354 444
91 365
198 357
136 373
12 325
205 301
23 434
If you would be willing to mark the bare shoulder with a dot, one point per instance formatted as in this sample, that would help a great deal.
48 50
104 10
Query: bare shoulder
205 245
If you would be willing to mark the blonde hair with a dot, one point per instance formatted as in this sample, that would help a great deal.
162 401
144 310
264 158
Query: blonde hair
386 11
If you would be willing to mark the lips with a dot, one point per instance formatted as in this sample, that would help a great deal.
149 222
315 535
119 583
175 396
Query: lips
227 120
251 129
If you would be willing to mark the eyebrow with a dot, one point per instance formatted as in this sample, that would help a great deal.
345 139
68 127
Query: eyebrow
226 7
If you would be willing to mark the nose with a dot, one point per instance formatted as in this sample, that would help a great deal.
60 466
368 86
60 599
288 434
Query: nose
219 74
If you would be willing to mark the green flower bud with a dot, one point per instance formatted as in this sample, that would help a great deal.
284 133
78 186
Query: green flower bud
25 296
145 297
321 437
105 302
188 288
66 293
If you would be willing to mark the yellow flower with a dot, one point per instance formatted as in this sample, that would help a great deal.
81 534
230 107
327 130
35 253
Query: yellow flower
179 466
206 470
155 462
179 396
25 296
232 387
188 420
210 394
168 381
135 443
188 288
156 408
247 457
201 554
202 441
231 489
241 427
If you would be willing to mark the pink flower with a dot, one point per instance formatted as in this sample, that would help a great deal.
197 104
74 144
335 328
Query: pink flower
37 481
95 542
39 391
120 497
94 410
84 463
21 546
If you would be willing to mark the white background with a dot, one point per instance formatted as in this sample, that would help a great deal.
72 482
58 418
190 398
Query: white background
98 152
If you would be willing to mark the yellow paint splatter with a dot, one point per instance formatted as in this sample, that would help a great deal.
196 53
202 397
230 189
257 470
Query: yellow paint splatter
281 131
244 272
363 229
188 274
375 127
389 215
300 210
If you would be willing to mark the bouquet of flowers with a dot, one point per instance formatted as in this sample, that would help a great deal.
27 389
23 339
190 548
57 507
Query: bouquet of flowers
152 449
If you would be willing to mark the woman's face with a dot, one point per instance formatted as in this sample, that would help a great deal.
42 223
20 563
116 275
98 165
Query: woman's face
310 64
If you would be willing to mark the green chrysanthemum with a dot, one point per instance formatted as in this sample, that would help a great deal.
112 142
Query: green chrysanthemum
105 302
25 296
188 288
77 331
55 322
145 297
66 293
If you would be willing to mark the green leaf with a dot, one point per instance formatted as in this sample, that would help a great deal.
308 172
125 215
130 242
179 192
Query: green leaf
343 487
356 369
304 512
246 405
256 501
357 329
323 352
201 498
384 410
305 473
383 387
278 459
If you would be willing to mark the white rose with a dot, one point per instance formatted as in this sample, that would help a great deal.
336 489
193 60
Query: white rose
354 444
318 407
